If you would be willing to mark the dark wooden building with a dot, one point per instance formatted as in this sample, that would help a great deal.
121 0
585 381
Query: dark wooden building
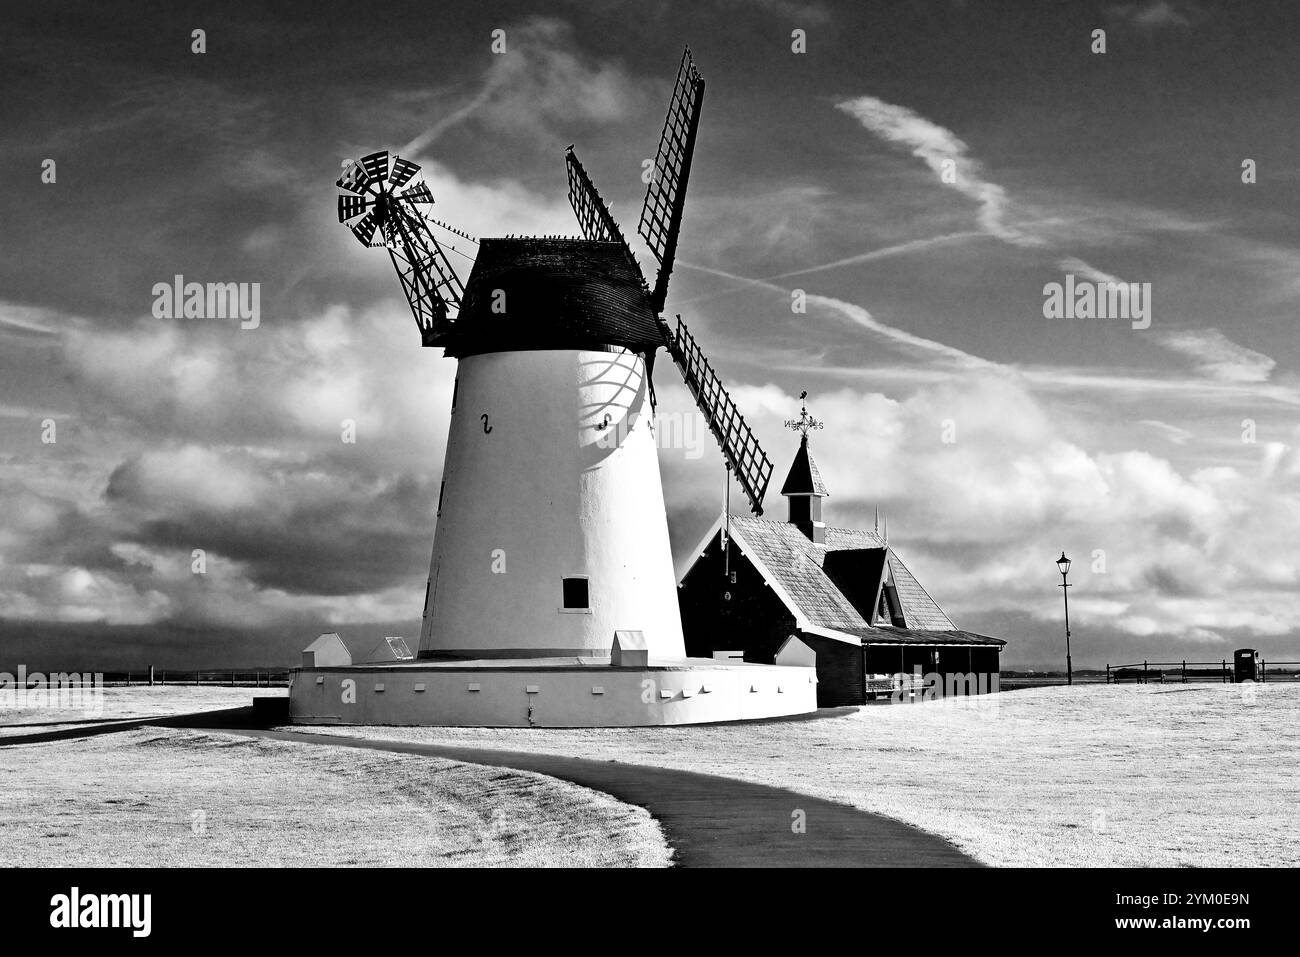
844 593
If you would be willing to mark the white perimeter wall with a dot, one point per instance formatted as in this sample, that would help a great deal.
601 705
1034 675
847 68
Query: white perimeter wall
541 488
562 699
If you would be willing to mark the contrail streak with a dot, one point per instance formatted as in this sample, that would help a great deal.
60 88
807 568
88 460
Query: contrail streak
861 317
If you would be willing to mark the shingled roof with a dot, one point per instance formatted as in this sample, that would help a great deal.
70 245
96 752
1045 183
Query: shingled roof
558 294
913 636
831 593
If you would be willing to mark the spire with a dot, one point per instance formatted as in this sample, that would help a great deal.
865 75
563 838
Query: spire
886 532
877 521
803 478
804 488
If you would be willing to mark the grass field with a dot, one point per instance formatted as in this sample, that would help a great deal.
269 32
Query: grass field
136 701
158 797
1096 775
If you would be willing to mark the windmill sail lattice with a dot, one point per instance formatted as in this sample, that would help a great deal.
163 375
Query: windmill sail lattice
594 217
752 467
665 197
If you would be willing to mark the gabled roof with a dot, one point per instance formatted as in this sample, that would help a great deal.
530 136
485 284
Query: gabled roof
795 562
803 477
328 641
558 294
919 609
858 572
829 586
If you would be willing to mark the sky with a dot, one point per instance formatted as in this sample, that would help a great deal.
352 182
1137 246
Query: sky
917 175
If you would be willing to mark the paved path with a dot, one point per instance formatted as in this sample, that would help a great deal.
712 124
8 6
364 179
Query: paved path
709 821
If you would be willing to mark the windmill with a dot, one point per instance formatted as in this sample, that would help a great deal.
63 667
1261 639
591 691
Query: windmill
551 529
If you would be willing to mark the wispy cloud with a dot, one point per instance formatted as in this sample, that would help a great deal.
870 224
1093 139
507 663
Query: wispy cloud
1219 357
942 151
541 82
27 321
1151 15
1172 432
800 13
862 318
888 252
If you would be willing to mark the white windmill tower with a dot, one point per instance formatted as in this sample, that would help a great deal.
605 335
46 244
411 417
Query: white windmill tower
551 531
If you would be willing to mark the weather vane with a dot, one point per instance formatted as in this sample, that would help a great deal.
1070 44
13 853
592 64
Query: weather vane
805 423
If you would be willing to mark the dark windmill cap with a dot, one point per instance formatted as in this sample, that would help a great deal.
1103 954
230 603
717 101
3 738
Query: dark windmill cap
553 293
803 478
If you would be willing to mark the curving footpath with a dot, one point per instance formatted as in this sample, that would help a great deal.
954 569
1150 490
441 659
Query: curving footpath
709 821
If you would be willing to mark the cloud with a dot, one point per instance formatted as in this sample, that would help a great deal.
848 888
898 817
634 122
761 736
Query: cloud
1162 552
1172 432
239 452
494 207
1151 15
798 12
541 81
190 477
888 252
26 321
1072 264
1217 356
859 316
940 148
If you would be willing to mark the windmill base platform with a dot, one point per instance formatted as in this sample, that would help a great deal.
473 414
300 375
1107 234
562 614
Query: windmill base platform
549 693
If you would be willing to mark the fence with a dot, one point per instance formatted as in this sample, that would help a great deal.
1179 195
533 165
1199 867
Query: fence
258 678
1184 671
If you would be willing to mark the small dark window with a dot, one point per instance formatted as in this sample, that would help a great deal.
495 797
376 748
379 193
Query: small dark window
441 488
455 388
575 593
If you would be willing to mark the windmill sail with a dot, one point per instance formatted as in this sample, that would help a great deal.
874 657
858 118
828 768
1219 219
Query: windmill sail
665 197
431 285
739 445
593 215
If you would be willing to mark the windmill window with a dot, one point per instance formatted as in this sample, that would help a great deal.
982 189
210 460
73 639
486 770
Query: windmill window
455 388
441 487
576 594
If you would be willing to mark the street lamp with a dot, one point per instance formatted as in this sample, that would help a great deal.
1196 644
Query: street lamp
1063 564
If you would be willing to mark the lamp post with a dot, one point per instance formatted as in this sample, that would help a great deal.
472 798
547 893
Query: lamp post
1063 564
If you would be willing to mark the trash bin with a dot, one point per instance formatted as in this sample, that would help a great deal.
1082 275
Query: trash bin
1245 665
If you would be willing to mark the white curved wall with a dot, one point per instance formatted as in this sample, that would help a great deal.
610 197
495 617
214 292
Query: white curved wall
550 494
548 697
